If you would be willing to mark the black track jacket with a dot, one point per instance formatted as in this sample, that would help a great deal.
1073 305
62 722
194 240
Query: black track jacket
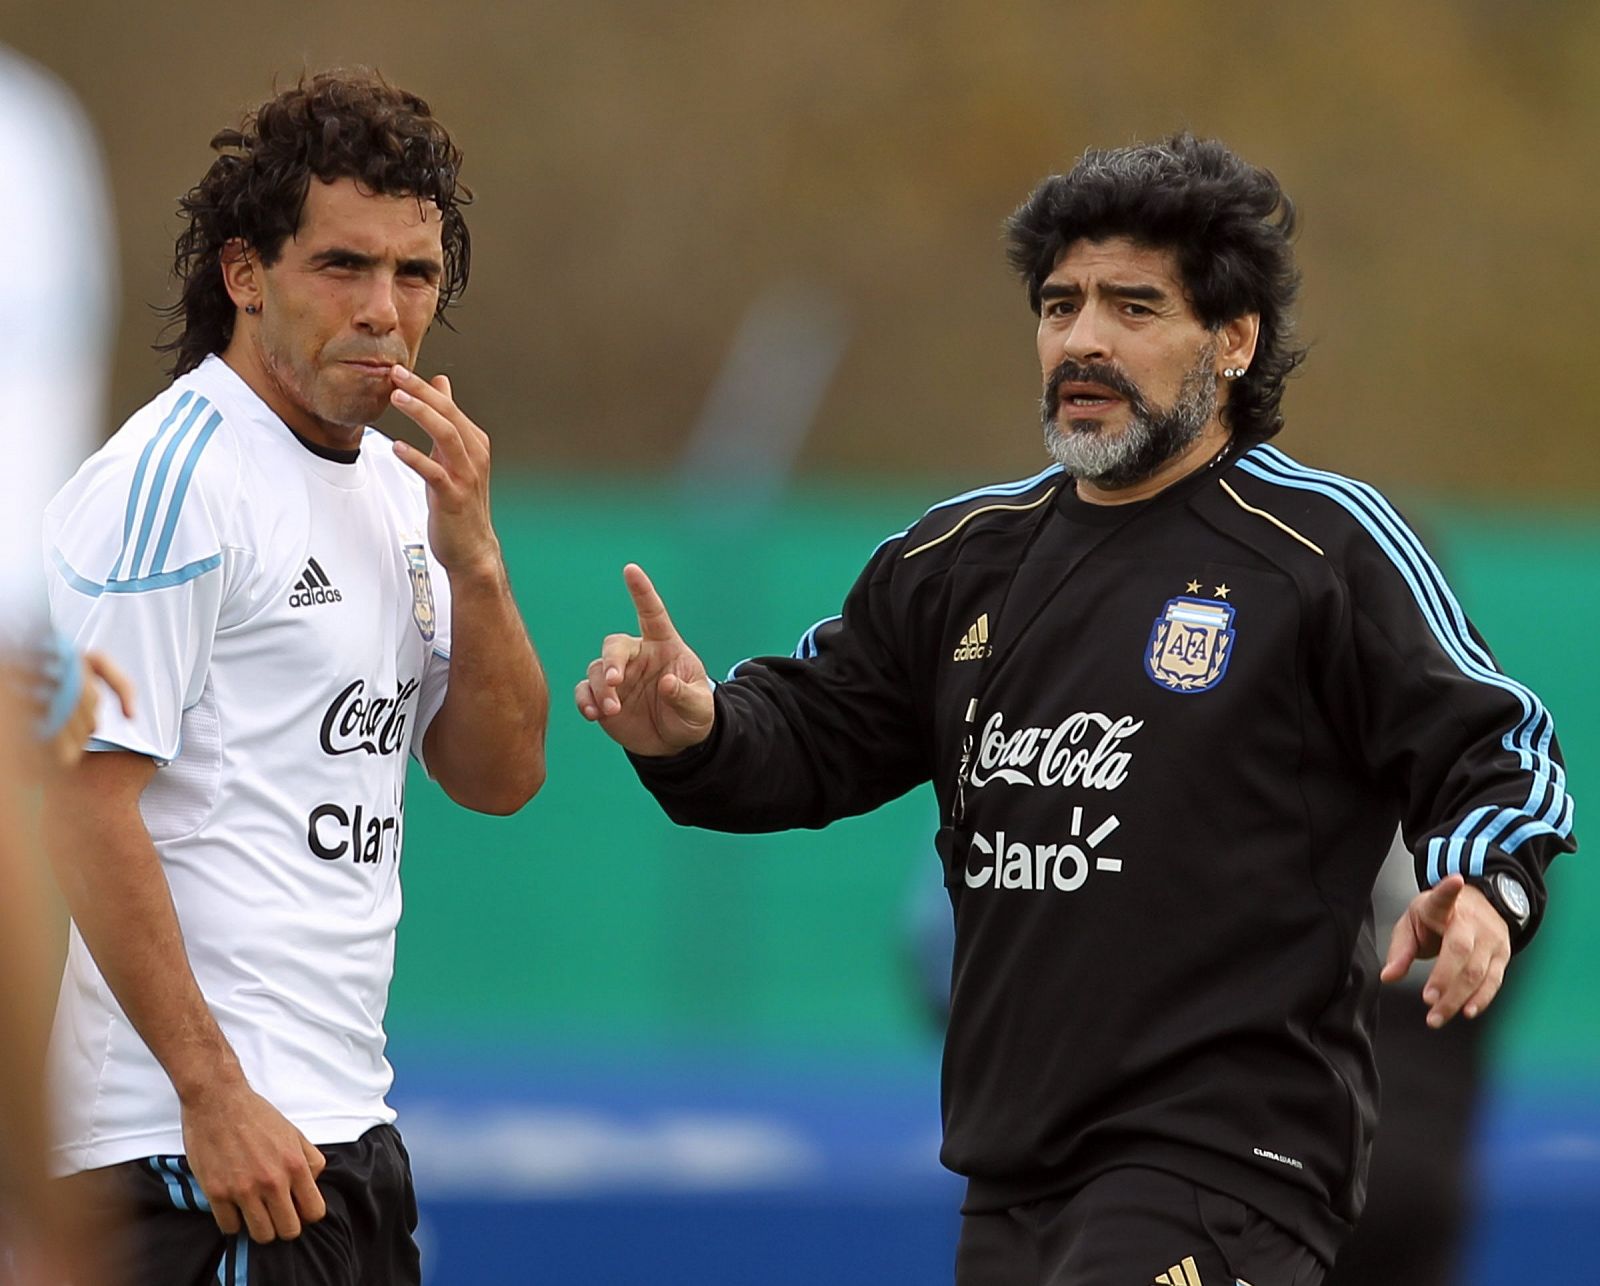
1194 724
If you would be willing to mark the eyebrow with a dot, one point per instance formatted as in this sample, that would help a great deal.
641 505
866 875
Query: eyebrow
1121 291
356 259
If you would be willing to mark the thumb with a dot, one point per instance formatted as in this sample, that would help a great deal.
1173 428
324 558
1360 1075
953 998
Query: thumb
691 702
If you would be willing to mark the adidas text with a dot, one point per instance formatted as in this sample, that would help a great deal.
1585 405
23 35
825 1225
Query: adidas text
313 587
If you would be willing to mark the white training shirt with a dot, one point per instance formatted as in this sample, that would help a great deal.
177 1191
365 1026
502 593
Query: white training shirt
287 633
55 319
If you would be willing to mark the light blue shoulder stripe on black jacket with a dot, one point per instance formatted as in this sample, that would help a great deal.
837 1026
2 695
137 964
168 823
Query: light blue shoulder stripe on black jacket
1529 740
807 647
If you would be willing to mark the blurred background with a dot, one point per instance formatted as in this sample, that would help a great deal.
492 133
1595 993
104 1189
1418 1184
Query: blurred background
739 309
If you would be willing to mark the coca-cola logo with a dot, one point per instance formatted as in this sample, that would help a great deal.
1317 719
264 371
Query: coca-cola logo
1084 749
356 721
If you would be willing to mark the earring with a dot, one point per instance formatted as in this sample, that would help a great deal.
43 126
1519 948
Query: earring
1233 372
252 309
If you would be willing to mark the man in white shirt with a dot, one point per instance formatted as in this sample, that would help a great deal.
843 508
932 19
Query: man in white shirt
302 603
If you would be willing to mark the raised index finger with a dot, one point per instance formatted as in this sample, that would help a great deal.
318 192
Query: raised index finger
654 623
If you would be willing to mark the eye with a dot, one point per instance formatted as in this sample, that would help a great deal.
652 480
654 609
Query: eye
1139 310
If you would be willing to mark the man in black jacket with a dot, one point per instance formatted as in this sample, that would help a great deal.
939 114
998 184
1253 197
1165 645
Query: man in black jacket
1174 694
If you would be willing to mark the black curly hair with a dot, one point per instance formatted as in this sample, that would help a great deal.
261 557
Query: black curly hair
1229 224
334 125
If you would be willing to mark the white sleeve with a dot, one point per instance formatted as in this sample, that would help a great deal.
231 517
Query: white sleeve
55 319
138 569
436 668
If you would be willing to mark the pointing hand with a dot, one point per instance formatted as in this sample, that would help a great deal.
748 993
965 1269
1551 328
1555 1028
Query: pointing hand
648 691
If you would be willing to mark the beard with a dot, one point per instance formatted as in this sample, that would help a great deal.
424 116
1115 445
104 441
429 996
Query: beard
1152 437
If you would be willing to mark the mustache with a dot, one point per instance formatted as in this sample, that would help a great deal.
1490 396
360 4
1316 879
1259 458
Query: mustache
1102 373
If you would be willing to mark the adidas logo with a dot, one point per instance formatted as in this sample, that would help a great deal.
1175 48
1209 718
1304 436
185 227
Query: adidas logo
1187 1274
313 587
974 645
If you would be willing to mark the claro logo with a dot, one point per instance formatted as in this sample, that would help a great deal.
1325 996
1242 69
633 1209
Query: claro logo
1004 862
356 721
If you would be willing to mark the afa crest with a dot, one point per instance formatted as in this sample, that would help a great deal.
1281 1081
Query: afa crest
421 590
1190 645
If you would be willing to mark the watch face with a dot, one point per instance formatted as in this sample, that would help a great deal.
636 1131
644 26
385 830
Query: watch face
1514 896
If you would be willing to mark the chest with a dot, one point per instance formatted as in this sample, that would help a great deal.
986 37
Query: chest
340 601
1075 673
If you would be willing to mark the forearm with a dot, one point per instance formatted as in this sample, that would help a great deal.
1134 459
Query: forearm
485 747
780 756
118 895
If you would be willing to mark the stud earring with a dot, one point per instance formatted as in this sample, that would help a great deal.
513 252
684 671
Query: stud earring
252 309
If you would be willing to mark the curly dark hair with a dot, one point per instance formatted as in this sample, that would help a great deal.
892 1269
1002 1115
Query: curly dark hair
1228 222
334 125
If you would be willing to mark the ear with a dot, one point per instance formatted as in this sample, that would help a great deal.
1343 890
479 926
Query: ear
241 274
1236 341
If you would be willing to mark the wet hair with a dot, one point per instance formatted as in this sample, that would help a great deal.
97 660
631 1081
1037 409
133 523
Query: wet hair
1228 223
333 125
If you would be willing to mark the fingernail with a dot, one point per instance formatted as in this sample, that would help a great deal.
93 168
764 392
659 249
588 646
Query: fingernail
1435 1020
400 395
400 372
1431 994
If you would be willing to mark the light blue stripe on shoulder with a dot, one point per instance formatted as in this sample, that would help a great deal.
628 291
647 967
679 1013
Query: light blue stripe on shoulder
169 527
144 463
82 584
158 486
1438 603
996 489
807 646
1439 607
165 580
999 489
1448 623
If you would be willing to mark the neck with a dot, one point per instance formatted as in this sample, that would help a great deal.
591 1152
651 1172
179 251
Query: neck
1197 455
244 358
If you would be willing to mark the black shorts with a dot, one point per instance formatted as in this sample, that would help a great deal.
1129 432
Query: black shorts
169 1238
1132 1227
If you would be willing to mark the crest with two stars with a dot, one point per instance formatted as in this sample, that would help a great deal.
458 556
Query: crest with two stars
1191 642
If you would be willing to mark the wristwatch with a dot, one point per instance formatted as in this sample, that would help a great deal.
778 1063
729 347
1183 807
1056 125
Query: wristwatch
1507 895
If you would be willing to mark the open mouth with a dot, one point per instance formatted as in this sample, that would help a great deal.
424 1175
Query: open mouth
1083 397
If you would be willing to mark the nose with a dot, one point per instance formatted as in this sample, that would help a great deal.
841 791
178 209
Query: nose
377 310
1086 338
